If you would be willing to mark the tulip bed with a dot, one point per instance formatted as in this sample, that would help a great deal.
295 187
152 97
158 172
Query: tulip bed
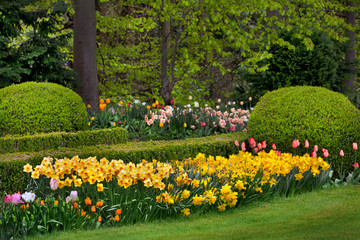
146 121
74 193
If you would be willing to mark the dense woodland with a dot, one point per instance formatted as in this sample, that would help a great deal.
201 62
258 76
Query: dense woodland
170 50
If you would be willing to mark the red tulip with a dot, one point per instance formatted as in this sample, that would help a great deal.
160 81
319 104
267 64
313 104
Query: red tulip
278 153
172 102
356 165
341 153
326 153
263 144
243 146
252 142
294 144
355 146
307 143
273 146
313 154
316 148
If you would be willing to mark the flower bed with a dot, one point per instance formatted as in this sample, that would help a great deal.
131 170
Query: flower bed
154 121
77 193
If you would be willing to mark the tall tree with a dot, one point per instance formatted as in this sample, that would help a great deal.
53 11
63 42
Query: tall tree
85 50
350 55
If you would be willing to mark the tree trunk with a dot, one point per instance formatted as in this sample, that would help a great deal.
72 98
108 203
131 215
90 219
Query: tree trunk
350 54
85 50
166 86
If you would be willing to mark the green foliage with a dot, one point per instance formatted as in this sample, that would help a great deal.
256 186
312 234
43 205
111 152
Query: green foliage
322 117
30 108
207 42
39 142
13 179
323 66
32 42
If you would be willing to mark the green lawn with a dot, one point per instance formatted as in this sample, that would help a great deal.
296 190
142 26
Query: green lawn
327 214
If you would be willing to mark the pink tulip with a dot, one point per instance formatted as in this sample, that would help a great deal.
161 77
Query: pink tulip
356 165
16 198
259 146
172 102
355 146
316 148
273 146
323 150
243 146
294 144
263 144
278 153
73 195
232 129
54 183
313 154
237 143
307 143
326 153
252 142
341 153
256 150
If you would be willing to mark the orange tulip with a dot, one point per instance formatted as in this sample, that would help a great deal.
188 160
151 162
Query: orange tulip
93 209
118 212
87 201
99 219
116 218
99 204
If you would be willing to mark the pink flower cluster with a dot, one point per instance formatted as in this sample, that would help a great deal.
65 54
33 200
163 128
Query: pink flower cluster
17 198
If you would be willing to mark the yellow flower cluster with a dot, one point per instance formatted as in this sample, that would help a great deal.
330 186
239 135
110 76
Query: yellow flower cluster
246 167
76 171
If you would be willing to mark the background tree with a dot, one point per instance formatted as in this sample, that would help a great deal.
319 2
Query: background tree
32 43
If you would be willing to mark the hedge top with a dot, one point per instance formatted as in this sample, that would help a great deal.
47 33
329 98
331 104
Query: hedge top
31 107
325 118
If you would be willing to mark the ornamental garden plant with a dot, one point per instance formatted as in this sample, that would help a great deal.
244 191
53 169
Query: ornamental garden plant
92 192
73 193
152 121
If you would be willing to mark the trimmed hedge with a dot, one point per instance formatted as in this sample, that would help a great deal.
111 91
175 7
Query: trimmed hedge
323 117
44 141
31 108
13 179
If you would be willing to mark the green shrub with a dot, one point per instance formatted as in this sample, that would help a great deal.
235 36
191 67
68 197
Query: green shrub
44 141
321 116
13 179
30 108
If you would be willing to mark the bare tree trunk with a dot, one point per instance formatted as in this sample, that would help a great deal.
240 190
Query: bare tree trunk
85 50
166 85
350 54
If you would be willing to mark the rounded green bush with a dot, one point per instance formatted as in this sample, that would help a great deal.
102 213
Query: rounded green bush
31 107
323 117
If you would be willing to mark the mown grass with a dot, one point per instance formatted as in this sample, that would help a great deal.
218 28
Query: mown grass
333 213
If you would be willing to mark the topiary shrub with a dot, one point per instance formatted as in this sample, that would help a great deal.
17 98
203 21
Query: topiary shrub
323 117
30 108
